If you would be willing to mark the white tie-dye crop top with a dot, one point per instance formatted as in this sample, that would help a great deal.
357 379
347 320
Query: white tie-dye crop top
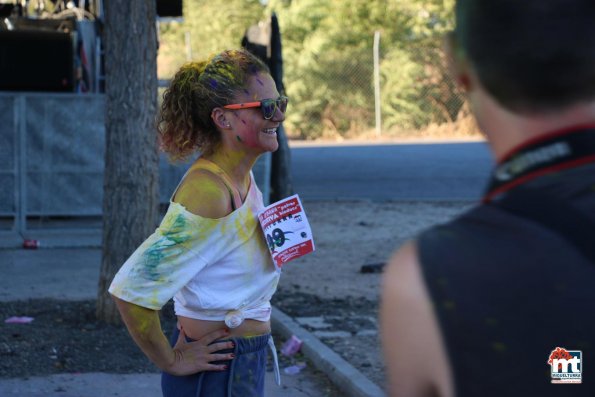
215 269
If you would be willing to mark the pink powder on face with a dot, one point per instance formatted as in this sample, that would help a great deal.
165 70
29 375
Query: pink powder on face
251 139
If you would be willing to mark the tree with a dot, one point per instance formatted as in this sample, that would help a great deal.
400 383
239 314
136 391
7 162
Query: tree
130 200
213 26
329 69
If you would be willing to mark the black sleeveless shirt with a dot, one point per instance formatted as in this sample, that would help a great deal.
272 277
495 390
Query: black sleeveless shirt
508 290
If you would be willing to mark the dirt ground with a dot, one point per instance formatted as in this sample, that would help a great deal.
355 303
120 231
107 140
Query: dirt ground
329 283
348 235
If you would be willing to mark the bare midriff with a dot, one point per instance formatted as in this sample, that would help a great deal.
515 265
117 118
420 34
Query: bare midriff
196 329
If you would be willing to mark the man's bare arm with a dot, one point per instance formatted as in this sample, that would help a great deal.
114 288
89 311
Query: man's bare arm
415 356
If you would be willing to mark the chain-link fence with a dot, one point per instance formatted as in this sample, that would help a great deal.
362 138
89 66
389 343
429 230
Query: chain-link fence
334 96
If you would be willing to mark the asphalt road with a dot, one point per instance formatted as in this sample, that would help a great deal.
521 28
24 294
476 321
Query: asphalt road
393 172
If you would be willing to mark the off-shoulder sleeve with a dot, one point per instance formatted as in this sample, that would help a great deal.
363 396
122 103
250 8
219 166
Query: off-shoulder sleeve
180 247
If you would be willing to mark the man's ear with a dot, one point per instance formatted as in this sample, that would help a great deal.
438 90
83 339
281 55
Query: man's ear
458 64
218 115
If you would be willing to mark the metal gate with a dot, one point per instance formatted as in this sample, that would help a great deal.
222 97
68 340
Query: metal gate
51 165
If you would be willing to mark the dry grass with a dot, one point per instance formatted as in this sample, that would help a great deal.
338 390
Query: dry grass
464 127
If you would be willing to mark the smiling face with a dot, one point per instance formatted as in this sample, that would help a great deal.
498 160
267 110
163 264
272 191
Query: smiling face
251 131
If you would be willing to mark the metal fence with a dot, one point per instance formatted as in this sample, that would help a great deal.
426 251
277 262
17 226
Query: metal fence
334 96
52 161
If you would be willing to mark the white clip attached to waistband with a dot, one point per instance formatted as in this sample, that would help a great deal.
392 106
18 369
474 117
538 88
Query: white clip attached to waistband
275 361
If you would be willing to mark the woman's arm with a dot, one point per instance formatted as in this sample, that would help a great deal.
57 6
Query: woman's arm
184 358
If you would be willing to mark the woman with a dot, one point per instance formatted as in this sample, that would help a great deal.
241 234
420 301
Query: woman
209 253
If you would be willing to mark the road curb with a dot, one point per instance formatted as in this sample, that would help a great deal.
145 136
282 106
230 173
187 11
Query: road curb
340 372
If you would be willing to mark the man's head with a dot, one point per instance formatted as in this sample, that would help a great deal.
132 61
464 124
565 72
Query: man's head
530 55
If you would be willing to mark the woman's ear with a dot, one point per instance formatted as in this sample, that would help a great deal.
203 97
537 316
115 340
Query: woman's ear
219 118
457 62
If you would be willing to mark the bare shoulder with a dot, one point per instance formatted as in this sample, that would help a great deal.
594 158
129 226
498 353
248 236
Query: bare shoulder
410 333
204 194
402 276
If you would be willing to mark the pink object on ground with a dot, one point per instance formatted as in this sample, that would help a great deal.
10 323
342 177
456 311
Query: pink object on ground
31 244
291 346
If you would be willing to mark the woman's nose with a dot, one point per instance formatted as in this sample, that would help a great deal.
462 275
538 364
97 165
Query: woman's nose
279 115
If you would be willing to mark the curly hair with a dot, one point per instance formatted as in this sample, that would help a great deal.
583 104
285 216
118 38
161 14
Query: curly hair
184 124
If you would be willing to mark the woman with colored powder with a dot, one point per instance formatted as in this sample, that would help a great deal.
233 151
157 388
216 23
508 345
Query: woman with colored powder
209 253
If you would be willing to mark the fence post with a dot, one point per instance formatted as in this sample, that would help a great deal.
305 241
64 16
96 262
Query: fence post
377 83
21 157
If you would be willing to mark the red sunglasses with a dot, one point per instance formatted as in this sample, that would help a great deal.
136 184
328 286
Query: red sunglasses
267 106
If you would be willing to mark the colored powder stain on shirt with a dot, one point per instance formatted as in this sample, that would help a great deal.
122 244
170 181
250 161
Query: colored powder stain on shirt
169 222
169 244
153 257
155 300
179 225
243 225
223 228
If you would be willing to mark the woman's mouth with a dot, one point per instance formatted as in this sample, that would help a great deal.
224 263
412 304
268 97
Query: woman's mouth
270 131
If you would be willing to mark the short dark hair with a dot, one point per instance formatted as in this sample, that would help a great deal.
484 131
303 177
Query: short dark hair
530 55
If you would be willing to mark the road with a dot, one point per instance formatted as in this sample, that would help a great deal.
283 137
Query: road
381 172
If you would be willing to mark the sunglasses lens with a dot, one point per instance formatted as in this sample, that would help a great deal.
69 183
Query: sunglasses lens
268 107
282 103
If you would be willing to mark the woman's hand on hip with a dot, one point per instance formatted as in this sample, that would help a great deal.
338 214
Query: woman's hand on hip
197 356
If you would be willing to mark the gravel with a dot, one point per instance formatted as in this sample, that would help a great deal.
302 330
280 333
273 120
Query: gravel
65 337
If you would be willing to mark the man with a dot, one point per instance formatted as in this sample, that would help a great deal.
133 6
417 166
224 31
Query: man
480 306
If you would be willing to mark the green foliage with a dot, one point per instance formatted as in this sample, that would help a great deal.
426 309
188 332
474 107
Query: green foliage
328 58
212 26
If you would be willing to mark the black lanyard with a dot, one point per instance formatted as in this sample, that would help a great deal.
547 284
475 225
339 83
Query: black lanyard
546 154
